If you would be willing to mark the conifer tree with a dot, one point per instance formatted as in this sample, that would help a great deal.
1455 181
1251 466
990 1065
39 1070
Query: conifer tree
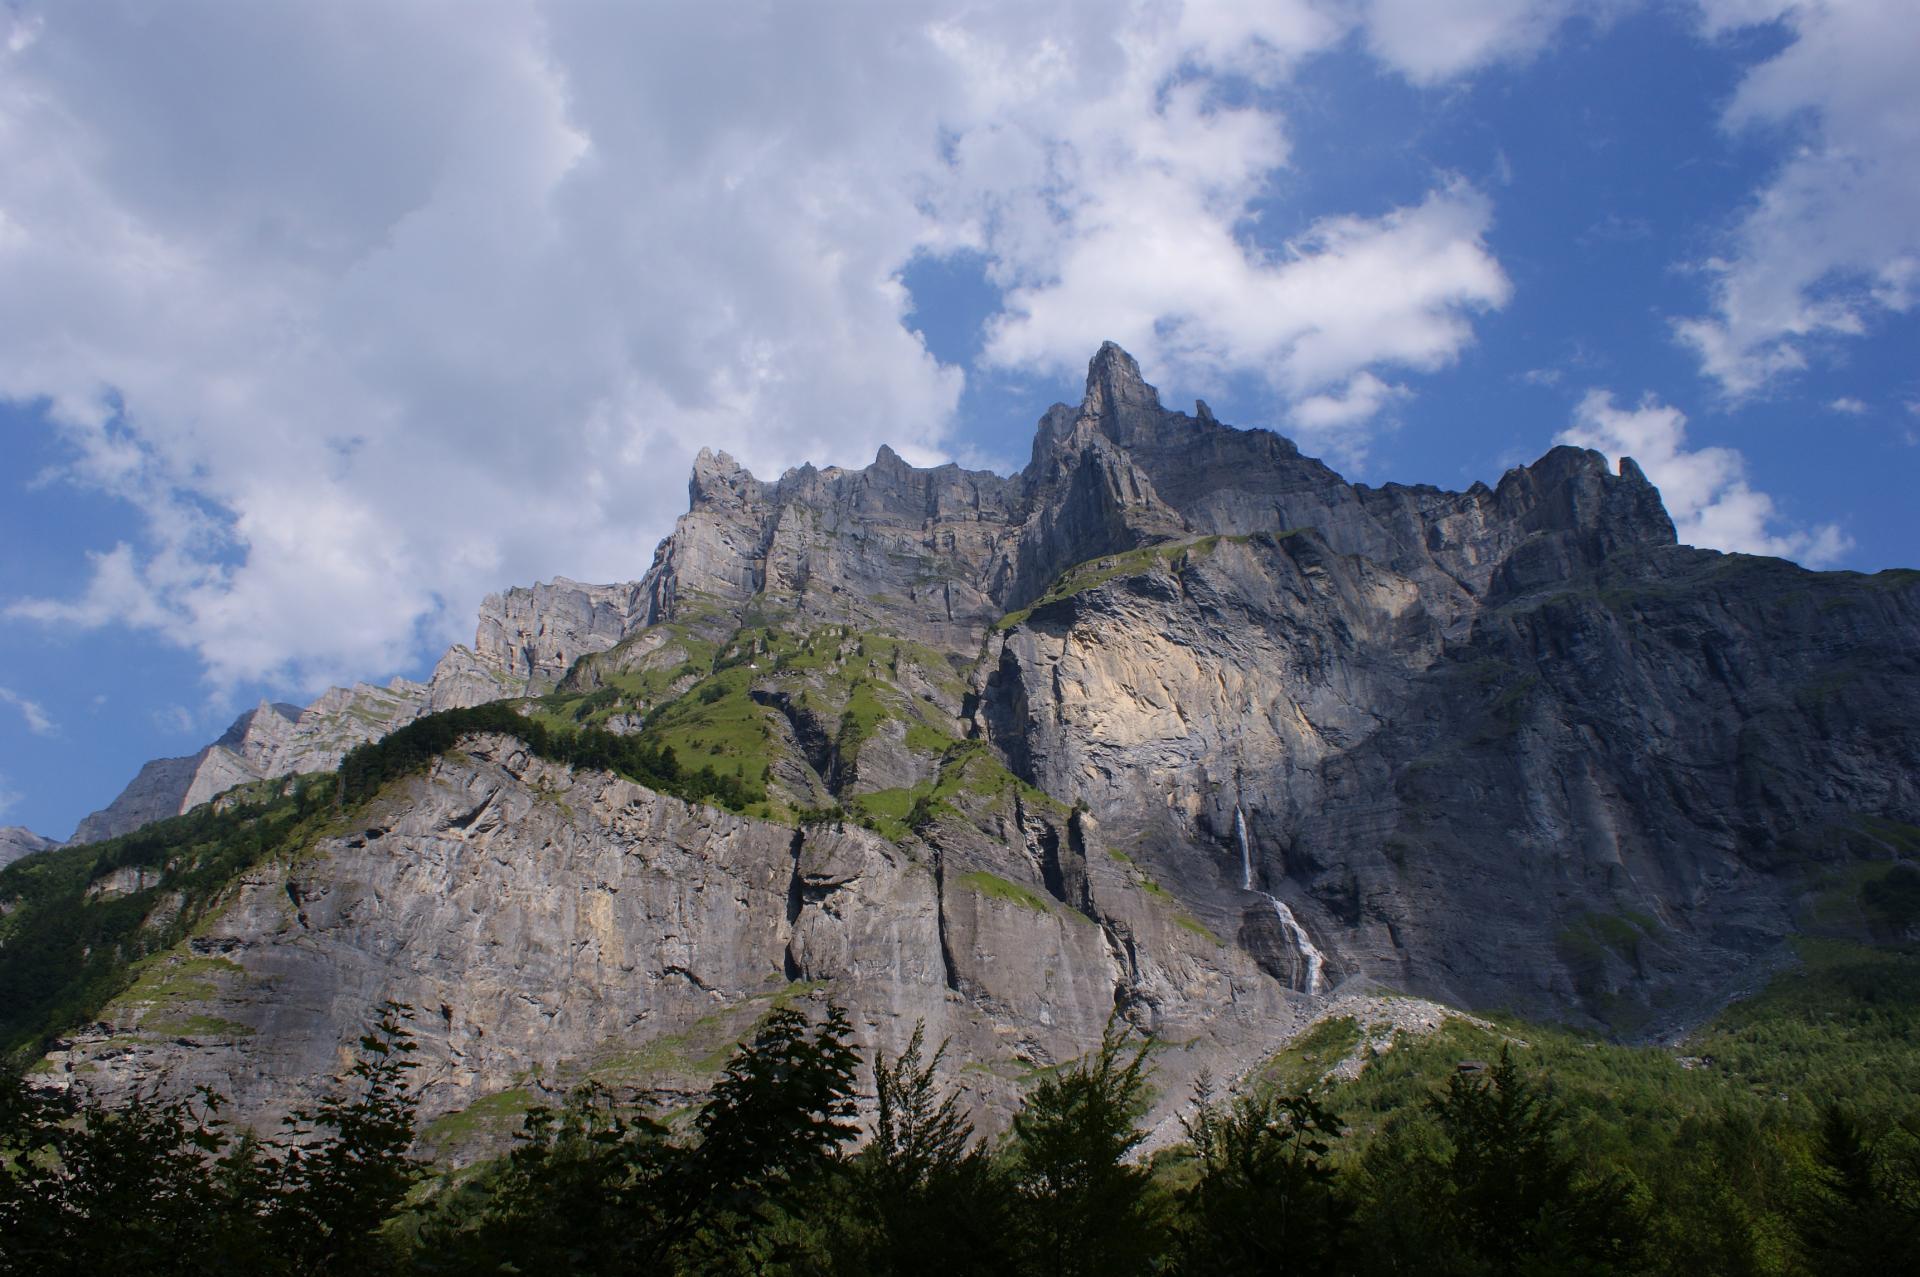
348 1164
1508 1196
85 1188
585 1191
769 1138
935 1203
1084 1208
1861 1216
1267 1199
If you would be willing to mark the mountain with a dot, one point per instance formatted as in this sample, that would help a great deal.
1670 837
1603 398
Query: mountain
16 842
521 634
1175 723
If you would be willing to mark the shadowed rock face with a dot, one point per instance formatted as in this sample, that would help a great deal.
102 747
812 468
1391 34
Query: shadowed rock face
1598 799
1272 732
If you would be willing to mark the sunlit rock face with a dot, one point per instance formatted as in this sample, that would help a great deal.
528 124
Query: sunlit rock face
16 841
1247 737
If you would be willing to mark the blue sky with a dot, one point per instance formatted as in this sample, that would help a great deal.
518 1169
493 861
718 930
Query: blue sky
317 323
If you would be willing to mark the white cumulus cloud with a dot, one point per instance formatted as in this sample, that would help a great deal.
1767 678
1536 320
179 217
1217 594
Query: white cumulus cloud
371 310
1832 241
1361 399
1431 42
1349 293
1705 489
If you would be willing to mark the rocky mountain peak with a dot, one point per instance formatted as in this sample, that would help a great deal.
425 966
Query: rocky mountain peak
718 479
17 841
1179 721
1120 402
1115 386
260 720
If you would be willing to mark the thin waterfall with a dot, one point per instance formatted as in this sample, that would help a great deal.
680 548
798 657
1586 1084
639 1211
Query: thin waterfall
1296 934
1301 941
1246 852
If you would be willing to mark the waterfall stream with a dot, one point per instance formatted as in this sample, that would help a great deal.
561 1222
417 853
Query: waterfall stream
1246 853
1302 943
1296 934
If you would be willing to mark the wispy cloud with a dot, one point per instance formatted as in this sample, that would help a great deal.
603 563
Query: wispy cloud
177 719
36 718
1832 242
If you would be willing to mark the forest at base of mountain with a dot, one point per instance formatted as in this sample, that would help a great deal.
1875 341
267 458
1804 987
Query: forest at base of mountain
1782 1138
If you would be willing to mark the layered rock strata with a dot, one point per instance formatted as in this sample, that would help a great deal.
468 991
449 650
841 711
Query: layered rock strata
1176 722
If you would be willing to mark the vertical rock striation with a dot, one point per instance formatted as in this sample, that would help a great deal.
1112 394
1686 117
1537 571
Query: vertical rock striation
1176 722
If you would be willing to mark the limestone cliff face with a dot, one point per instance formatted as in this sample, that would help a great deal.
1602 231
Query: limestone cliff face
534 634
525 640
1175 722
16 841
168 786
1598 798
551 927
940 555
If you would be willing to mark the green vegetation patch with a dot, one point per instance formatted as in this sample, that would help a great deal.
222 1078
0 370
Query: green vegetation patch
1592 937
922 739
1174 555
490 1115
864 712
1859 900
1893 899
1199 928
888 812
1000 889
1299 1068
196 1025
647 759
173 978
1094 573
969 768
701 1049
1844 1025
67 955
718 727
969 776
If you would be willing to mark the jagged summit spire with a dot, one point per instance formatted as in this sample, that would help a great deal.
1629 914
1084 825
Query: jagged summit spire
1114 385
1111 361
1118 403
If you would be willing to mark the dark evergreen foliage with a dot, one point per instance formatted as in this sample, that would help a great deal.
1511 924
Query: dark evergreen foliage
1860 1216
67 954
158 1187
1500 1192
1268 1199
1496 1174
587 1189
930 1196
1082 1207
769 1140
345 1167
411 748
